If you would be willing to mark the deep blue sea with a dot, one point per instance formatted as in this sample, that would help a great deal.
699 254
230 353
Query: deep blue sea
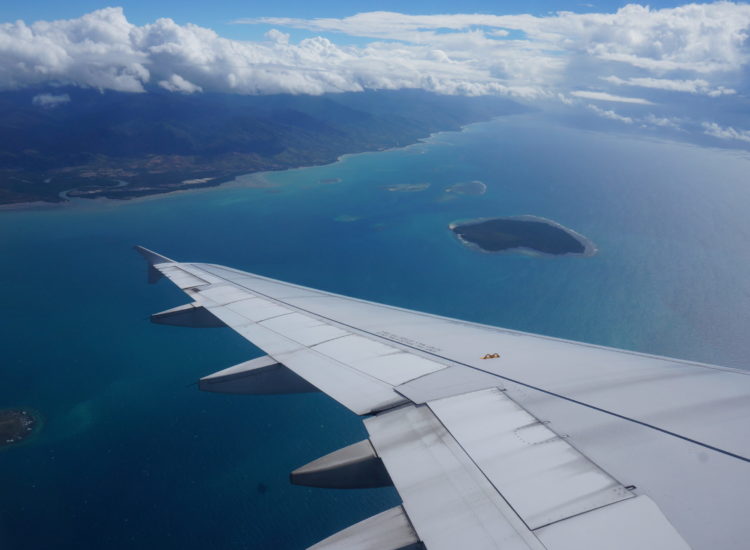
132 456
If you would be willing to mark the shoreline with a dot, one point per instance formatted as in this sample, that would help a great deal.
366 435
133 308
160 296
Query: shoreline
229 180
589 248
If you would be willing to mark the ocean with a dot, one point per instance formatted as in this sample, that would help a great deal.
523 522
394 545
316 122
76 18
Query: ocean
133 455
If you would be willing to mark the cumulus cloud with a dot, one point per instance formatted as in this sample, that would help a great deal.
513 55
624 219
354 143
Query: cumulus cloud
94 50
50 101
104 50
648 121
176 83
713 129
703 38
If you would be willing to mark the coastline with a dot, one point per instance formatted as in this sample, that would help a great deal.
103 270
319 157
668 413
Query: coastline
589 248
229 181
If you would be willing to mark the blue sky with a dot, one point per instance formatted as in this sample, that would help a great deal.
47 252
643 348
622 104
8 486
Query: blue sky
219 14
665 69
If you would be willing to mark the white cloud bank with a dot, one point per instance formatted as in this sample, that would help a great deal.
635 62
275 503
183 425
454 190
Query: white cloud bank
705 37
694 48
697 37
567 59
697 86
103 50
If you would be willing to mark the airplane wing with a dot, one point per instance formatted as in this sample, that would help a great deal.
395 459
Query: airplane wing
493 438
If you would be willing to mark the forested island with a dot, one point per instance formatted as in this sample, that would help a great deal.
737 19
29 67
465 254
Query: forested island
523 233
123 145
16 425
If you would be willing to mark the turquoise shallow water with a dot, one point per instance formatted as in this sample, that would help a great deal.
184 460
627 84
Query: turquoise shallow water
131 455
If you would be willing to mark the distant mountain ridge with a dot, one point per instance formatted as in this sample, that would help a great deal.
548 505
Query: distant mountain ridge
156 141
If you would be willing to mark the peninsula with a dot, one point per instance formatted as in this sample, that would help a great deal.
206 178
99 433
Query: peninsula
523 233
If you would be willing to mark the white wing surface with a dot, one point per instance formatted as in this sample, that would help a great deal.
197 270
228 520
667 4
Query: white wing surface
493 438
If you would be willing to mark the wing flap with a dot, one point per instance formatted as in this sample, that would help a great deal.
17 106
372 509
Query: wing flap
182 278
541 476
358 392
373 358
254 309
634 523
478 471
450 503
303 329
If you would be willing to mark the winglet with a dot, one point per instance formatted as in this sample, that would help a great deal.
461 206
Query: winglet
152 258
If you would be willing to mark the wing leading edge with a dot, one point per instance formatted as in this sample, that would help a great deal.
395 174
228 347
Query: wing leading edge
521 441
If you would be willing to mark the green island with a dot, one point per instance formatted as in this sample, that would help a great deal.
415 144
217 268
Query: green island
16 425
523 233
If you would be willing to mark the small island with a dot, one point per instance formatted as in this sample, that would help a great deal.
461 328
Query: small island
530 234
16 425
407 187
475 187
